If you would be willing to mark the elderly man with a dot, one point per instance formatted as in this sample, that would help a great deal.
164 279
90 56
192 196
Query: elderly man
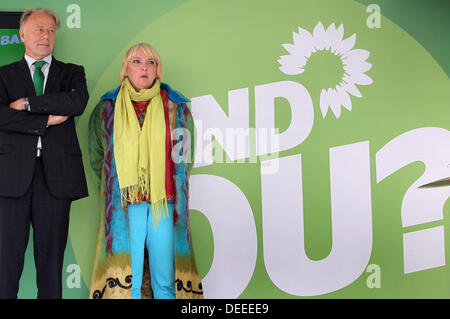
41 170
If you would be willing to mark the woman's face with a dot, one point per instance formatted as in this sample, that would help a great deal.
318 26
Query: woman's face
141 71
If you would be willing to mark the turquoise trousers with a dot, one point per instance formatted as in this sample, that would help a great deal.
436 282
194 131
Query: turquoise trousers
160 246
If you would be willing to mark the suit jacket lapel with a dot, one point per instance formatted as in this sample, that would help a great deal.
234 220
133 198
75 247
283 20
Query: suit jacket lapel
25 77
53 73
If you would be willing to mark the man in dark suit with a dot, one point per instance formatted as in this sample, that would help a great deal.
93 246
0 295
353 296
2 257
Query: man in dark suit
41 170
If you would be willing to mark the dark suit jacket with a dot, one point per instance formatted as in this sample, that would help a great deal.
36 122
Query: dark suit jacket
65 94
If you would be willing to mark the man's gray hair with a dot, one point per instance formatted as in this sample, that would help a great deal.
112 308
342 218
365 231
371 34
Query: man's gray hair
30 11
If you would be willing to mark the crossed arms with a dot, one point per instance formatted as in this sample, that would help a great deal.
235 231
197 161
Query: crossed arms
45 110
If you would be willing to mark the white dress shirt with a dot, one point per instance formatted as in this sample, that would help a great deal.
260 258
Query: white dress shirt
45 69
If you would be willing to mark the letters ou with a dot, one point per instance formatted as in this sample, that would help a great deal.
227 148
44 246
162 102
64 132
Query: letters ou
234 230
423 249
284 250
74 19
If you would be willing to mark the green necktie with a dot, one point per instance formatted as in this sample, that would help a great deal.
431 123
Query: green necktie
38 77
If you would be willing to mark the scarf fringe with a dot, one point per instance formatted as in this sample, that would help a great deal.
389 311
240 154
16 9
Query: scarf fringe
130 194
159 211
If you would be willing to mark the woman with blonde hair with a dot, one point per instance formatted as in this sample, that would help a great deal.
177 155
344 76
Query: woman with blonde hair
144 189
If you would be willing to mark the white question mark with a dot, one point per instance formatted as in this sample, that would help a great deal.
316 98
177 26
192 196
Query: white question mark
423 249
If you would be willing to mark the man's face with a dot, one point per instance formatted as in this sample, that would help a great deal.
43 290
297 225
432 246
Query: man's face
38 35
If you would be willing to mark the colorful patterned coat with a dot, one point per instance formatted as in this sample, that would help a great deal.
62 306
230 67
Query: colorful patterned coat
111 277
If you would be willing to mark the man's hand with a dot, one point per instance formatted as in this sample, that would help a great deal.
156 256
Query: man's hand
56 119
18 105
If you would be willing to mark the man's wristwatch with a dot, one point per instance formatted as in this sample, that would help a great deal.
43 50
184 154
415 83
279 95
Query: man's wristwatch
26 103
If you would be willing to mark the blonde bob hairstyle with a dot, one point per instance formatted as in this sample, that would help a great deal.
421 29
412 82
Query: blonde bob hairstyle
149 51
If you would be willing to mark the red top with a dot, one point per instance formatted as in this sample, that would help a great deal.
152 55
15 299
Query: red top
141 108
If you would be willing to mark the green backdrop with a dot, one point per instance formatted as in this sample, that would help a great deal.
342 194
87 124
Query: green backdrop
214 47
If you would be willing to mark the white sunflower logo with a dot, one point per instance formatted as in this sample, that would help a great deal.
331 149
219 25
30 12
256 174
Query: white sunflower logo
353 62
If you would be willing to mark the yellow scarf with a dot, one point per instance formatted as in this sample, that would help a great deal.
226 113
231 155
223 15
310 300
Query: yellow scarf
140 155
